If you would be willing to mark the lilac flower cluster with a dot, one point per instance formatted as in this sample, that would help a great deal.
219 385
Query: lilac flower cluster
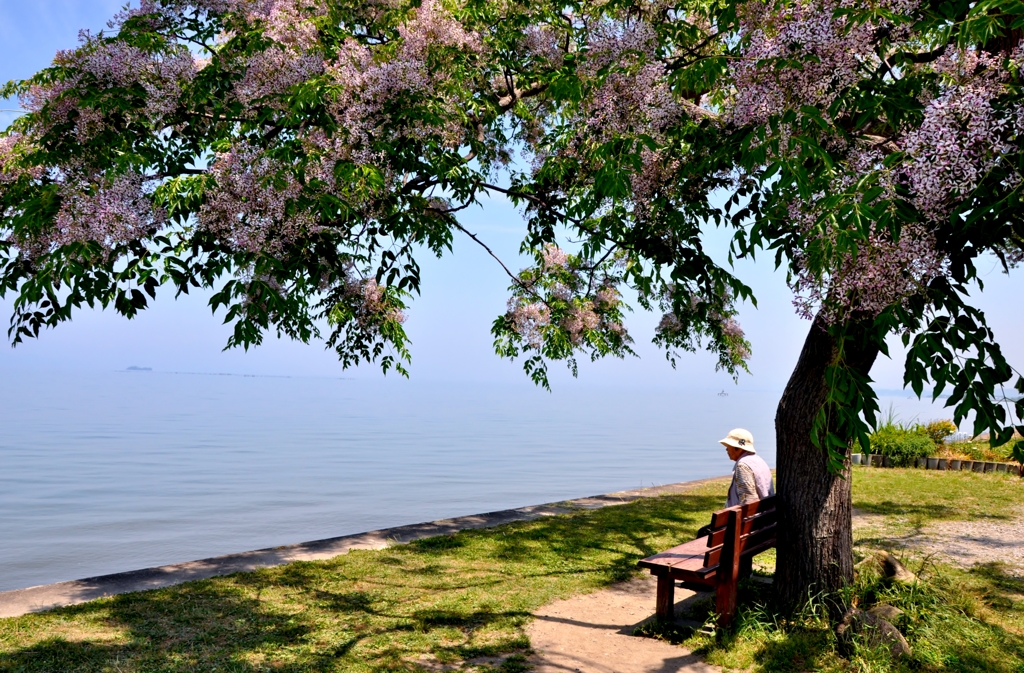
105 65
554 256
832 53
674 329
806 53
883 272
628 95
557 293
292 59
580 319
963 134
543 43
529 320
252 206
12 148
106 211
374 306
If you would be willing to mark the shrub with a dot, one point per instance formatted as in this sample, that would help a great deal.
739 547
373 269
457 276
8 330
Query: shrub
939 430
903 445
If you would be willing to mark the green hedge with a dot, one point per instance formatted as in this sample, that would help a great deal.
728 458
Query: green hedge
903 446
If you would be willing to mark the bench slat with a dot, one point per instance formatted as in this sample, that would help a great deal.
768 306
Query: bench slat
685 556
749 525
767 534
720 518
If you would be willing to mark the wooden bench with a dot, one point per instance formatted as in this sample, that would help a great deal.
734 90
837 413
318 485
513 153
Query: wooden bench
717 560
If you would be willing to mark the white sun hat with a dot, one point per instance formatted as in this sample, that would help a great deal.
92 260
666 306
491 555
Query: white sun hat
739 439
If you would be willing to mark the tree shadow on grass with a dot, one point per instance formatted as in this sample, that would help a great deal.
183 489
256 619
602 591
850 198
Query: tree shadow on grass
921 512
371 611
198 626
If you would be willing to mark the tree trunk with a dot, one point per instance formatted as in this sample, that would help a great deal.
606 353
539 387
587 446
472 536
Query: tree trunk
815 542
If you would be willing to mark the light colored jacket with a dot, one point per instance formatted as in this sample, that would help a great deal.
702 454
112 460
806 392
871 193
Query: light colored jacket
751 480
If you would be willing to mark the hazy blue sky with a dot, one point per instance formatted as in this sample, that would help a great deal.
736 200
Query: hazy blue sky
449 324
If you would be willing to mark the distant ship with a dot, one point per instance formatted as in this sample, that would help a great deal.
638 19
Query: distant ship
133 368
723 394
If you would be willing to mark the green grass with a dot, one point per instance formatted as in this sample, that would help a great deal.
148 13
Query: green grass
443 600
969 620
954 620
909 499
466 599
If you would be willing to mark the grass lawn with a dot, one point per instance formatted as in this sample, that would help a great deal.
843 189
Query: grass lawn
467 597
954 619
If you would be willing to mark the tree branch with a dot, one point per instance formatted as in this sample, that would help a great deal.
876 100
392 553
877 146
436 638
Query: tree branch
516 279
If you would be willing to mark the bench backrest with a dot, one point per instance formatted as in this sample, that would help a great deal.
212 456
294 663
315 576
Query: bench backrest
749 528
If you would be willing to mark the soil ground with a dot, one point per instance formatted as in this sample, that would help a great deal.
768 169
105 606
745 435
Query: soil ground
592 633
963 543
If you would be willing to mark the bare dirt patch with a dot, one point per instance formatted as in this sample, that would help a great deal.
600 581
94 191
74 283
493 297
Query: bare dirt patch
964 543
592 633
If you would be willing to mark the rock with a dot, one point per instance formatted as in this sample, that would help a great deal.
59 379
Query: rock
887 612
873 629
886 565
895 570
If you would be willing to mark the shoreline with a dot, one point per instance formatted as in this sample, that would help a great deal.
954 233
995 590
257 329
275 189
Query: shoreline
18 602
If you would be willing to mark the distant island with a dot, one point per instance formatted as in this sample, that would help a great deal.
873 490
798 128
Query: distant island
133 368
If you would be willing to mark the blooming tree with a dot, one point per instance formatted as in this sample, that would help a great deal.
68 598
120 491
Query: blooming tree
297 155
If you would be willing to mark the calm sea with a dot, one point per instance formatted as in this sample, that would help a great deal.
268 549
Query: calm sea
102 473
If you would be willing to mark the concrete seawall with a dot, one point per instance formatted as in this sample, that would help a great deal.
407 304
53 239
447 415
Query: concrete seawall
48 596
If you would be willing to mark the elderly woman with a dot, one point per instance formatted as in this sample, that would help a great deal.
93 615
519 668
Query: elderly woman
751 477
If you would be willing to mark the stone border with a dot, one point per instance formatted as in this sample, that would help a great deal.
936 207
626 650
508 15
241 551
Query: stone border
48 596
946 464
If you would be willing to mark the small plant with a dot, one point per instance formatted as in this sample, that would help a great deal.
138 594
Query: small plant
938 431
902 445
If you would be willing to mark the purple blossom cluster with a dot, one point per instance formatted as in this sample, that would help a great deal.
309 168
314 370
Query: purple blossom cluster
579 320
554 256
628 95
101 64
558 294
822 53
252 206
103 210
12 148
374 306
249 207
883 272
294 56
963 135
544 43
633 95
274 71
369 88
674 328
807 53
529 320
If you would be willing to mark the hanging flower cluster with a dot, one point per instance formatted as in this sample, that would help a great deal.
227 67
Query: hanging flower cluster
563 304
815 55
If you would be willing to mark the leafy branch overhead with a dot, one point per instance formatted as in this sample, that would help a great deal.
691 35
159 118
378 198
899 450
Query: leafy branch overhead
296 156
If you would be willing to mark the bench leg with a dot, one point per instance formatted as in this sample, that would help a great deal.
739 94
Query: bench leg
666 598
746 566
725 602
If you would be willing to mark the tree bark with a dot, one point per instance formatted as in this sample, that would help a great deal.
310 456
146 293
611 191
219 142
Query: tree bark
815 542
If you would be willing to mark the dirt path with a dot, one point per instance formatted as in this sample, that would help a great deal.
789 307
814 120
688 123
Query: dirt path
592 634
964 543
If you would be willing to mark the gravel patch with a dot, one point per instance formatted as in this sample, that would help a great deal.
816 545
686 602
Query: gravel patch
964 543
